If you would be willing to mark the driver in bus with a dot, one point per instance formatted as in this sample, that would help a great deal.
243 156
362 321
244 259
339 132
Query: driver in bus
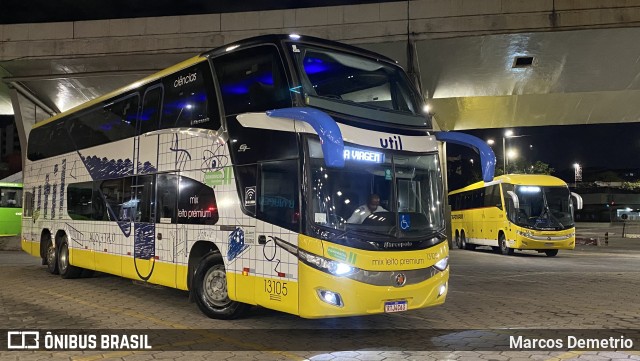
361 213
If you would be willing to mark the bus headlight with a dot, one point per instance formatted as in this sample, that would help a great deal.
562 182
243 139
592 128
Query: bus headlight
326 265
527 234
442 264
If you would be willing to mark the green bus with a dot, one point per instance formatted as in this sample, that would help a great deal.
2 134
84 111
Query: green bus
10 209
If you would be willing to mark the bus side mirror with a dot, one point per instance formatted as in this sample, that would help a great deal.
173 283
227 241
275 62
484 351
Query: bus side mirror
577 200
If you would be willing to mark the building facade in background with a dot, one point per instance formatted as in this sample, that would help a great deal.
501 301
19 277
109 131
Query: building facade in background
10 159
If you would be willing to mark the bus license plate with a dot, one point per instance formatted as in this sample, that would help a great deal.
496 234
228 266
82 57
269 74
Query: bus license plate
396 306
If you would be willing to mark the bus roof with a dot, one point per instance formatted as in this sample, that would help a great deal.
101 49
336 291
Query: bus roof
155 76
517 179
275 38
203 56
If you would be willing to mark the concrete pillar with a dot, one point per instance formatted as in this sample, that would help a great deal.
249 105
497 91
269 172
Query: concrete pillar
26 114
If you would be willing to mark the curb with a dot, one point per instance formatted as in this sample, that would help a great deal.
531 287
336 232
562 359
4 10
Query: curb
591 241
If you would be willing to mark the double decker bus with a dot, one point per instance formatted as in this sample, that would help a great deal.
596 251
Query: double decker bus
515 212
234 175
10 208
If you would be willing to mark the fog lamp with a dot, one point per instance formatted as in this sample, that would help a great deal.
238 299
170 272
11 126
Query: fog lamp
331 298
443 289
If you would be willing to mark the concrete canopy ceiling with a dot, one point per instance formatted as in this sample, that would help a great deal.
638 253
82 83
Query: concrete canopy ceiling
63 83
577 77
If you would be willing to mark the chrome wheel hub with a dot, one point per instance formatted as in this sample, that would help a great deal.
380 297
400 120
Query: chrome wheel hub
215 287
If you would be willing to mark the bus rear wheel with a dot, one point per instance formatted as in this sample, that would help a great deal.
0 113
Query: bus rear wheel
210 287
551 252
458 241
64 267
464 244
504 249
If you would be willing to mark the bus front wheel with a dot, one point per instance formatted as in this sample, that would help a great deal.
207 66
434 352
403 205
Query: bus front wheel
52 255
504 249
210 287
551 252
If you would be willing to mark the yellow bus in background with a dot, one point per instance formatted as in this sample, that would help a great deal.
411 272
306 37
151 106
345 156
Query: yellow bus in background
515 212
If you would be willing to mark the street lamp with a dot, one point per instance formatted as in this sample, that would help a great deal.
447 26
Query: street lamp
507 134
577 175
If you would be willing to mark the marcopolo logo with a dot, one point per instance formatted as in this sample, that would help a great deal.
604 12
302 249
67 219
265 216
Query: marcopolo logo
183 80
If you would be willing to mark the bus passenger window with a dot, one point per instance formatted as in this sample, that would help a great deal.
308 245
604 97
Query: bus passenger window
79 202
190 100
28 204
149 117
142 203
252 80
196 203
167 198
113 194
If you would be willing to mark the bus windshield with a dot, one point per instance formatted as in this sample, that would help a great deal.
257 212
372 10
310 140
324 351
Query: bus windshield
10 197
351 84
382 192
544 207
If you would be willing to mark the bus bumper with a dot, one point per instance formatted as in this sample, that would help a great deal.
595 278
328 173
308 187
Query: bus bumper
524 243
359 298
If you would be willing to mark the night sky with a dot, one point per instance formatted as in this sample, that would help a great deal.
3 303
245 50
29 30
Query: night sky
598 147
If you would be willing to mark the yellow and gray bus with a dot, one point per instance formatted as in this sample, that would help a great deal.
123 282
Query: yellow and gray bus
515 212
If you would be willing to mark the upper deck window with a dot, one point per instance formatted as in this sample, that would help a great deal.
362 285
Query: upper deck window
189 100
252 80
339 80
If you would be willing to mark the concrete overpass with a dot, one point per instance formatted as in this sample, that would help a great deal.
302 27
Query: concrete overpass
481 63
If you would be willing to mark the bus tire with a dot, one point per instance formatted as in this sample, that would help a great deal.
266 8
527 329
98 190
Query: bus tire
64 267
210 287
551 252
465 244
463 241
458 242
504 249
51 255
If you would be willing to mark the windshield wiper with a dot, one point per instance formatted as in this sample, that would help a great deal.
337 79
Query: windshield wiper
549 214
554 217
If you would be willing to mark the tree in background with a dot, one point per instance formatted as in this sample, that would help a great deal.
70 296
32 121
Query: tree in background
521 166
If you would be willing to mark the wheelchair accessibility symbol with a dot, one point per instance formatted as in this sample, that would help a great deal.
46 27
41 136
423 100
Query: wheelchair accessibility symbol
405 222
